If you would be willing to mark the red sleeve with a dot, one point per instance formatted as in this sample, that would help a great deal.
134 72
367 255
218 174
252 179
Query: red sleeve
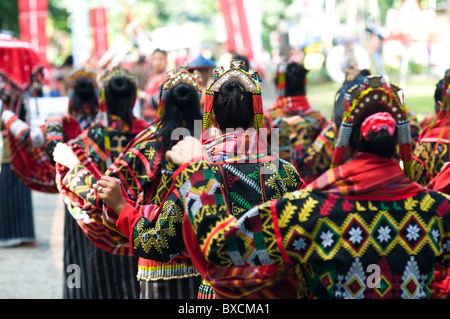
126 221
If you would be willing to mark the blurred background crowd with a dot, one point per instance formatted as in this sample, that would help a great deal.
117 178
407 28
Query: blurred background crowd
406 40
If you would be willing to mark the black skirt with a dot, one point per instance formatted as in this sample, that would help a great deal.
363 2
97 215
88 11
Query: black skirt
16 210
91 273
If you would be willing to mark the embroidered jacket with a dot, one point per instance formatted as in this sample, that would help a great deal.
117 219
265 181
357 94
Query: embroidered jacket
155 232
348 246
429 157
316 159
75 184
298 125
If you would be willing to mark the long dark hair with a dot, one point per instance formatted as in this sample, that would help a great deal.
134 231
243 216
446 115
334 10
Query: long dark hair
233 107
120 95
84 94
181 109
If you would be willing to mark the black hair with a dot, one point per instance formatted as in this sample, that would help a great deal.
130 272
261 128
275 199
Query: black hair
159 50
338 110
295 79
84 94
120 94
233 107
68 61
381 143
181 109
439 91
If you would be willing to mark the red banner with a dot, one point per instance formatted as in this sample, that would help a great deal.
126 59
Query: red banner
32 21
238 34
99 31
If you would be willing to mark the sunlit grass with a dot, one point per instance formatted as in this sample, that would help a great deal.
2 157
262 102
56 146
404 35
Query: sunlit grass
419 96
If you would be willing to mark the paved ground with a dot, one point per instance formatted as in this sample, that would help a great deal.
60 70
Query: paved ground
37 272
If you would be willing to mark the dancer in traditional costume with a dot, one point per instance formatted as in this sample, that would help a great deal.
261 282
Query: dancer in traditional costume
20 70
362 230
111 268
32 147
249 173
298 123
431 151
33 161
147 177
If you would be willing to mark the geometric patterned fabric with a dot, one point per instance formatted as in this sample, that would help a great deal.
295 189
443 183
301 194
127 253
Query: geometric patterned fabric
348 247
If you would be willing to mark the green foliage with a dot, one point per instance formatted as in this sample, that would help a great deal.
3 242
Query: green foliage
9 17
58 16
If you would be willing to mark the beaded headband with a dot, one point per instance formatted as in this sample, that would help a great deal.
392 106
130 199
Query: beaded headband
77 74
374 93
115 72
237 73
193 79
82 72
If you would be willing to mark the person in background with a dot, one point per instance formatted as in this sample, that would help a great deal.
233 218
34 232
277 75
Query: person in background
16 206
431 151
65 69
157 77
298 123
205 67
438 93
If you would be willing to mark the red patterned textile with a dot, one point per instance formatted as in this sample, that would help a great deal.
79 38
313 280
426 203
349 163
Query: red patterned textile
18 62
31 163
367 174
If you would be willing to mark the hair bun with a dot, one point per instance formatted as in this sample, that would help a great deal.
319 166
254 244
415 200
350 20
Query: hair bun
84 88
121 86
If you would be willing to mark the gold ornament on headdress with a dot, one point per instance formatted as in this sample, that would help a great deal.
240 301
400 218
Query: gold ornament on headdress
82 72
249 80
117 71
193 79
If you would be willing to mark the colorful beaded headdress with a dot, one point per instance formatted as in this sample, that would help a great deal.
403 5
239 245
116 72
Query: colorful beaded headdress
248 79
374 94
82 72
193 79
116 71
